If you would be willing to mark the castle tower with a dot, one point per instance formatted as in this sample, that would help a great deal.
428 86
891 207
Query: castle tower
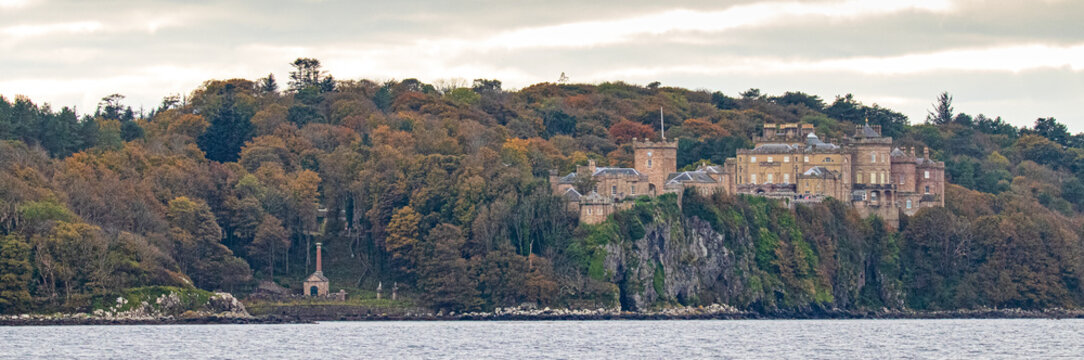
655 159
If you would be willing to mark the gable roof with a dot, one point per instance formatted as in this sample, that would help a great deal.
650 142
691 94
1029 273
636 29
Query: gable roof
698 176
615 171
316 277
572 195
773 148
820 171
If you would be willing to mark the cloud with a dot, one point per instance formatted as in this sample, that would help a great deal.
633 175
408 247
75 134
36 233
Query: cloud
13 3
77 27
608 32
1010 58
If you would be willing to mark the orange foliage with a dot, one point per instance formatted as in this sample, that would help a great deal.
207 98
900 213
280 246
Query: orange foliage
625 130
704 129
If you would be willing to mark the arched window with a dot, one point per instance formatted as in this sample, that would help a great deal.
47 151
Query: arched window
908 203
313 291
873 157
770 179
872 178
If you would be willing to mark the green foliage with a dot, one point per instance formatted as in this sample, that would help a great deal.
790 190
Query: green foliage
15 274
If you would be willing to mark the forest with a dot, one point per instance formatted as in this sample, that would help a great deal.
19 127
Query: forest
442 190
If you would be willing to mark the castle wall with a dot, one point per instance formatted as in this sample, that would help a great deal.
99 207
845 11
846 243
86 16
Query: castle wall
595 213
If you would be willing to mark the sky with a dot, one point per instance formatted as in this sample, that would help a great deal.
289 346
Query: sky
1020 60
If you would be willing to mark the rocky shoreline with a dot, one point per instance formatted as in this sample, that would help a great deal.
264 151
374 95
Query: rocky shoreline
712 312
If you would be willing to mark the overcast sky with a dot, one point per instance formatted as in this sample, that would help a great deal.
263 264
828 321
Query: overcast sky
1016 59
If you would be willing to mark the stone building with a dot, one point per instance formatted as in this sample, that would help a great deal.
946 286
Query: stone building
316 284
788 162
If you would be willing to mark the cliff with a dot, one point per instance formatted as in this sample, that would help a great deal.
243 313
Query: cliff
748 252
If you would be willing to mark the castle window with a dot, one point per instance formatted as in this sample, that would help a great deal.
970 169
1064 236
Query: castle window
770 181
873 197
753 179
588 211
786 179
786 159
632 189
872 178
927 189
613 189
883 178
908 203
752 159
807 159
873 157
648 163
770 160
859 180
827 159
901 179
926 174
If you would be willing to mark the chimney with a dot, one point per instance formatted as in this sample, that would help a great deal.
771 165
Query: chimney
926 152
319 262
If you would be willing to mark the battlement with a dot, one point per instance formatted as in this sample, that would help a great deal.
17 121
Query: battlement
647 143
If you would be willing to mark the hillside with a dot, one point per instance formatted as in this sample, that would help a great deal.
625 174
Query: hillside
442 189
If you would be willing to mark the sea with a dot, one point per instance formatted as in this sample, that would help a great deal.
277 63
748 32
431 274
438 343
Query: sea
618 339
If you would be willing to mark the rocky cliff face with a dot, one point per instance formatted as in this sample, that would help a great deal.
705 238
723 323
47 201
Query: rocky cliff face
686 262
749 253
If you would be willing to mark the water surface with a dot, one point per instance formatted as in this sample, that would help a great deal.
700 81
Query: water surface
760 339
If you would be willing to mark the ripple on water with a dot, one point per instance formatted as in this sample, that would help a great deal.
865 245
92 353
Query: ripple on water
558 340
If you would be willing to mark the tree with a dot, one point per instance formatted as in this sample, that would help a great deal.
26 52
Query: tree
196 242
800 98
942 110
1051 129
268 85
442 273
230 121
402 238
270 235
624 131
15 274
306 74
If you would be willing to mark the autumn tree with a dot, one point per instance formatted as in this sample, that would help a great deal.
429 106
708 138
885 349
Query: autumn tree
624 131
403 238
15 274
270 236
443 273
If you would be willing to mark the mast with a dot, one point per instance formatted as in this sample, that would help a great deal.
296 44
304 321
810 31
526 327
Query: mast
662 125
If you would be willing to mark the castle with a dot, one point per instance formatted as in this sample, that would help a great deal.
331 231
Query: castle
788 162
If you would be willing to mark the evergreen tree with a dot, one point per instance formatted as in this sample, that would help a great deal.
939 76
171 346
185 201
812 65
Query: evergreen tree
942 110
230 127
